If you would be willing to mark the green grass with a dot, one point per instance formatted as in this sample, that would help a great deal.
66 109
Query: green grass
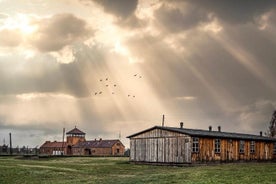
119 170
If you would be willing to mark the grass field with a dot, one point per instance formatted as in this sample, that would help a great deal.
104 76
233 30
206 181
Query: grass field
119 170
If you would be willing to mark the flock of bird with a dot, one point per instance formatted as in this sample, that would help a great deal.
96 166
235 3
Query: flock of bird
107 84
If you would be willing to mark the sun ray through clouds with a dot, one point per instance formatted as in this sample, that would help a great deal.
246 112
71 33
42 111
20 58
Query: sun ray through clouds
247 60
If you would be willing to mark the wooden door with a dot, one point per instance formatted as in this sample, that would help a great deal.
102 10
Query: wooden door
229 150
187 151
266 151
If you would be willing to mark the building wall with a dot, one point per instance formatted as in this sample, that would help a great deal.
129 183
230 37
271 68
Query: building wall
93 151
77 151
102 151
72 140
118 149
230 150
115 150
52 151
160 146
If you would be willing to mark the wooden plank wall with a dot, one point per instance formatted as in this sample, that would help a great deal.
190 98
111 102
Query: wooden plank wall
230 151
161 146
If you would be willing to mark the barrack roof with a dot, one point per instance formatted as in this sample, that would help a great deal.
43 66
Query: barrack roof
54 144
97 144
207 133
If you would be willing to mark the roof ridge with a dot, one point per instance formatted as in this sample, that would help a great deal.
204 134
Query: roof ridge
207 133
75 131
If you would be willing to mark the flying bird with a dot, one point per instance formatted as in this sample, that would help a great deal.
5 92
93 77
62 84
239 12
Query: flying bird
133 96
101 80
100 92
115 85
137 75
96 93
106 79
128 95
106 85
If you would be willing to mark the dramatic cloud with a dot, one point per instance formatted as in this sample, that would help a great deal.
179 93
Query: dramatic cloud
120 8
212 71
236 11
179 17
58 31
255 114
46 75
124 12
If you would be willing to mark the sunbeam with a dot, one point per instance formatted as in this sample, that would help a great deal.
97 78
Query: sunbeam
247 60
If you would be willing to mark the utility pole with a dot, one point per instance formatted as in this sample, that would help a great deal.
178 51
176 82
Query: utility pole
163 120
62 150
10 144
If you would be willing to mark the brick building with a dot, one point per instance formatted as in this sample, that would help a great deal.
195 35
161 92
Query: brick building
54 148
99 148
76 144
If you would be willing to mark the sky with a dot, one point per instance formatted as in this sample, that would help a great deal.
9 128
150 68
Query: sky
114 67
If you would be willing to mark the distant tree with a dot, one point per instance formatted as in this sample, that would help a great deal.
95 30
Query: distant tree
272 126
127 152
23 150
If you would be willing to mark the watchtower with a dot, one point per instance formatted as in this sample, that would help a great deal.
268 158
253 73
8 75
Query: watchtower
74 136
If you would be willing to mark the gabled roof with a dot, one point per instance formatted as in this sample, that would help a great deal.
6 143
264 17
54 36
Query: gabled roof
207 133
54 144
76 131
97 144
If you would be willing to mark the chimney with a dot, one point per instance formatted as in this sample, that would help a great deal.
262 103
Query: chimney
219 128
210 128
181 125
261 133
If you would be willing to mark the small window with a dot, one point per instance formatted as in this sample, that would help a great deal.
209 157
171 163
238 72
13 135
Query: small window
274 148
241 146
217 145
252 146
195 147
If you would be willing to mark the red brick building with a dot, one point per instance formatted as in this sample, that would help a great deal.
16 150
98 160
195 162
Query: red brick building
76 144
99 148
54 148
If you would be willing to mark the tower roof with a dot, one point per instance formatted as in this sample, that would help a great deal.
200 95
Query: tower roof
76 131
